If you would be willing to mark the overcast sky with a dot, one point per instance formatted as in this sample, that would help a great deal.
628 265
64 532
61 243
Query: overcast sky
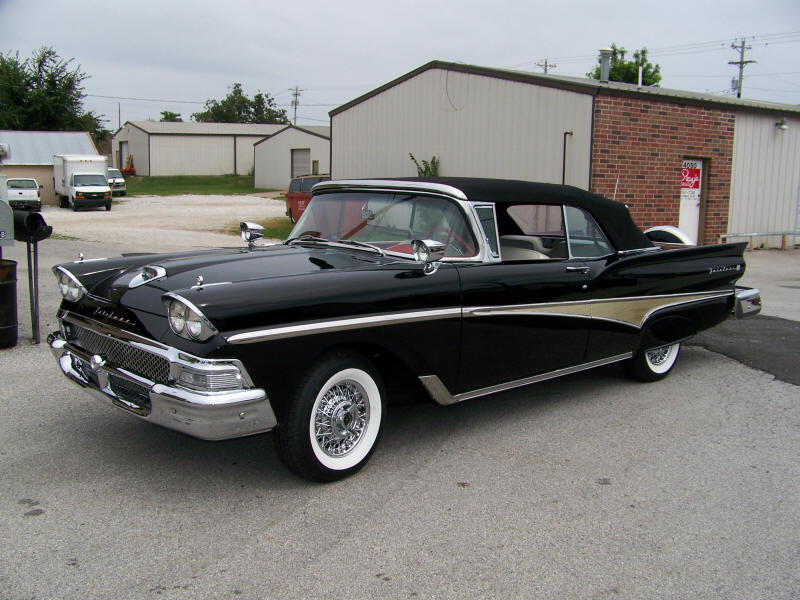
181 52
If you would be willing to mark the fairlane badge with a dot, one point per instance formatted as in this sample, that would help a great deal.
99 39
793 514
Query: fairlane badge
107 314
725 268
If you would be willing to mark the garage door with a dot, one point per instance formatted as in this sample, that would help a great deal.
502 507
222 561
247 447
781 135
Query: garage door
301 161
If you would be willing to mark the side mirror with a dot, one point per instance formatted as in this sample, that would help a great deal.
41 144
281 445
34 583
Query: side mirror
428 252
251 232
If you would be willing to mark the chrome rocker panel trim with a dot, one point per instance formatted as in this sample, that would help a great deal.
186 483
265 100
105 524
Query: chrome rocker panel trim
439 392
207 416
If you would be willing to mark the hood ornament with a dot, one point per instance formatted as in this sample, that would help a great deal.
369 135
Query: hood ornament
80 256
199 281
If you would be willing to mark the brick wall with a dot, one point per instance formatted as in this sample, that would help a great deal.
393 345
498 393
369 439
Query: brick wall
645 142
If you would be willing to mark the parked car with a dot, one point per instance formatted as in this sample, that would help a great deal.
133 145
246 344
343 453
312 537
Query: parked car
24 193
299 194
116 182
454 287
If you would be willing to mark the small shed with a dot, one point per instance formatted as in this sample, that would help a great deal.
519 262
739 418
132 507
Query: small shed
32 155
291 152
167 148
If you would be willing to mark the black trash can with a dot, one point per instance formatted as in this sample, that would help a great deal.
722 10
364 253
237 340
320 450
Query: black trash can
8 303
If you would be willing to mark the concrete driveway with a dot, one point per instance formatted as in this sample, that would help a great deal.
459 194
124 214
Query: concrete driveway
590 486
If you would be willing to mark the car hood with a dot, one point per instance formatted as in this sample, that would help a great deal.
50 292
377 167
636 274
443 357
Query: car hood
210 274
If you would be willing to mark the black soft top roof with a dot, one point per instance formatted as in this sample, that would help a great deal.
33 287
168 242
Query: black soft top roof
612 216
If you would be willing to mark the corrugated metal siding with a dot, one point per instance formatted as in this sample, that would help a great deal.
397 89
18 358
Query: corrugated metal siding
477 126
765 187
244 153
191 155
273 157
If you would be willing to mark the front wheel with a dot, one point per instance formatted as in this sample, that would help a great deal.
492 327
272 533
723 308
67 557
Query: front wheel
653 364
333 420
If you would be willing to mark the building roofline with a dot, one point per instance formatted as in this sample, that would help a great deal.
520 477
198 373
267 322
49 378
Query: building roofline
587 86
315 134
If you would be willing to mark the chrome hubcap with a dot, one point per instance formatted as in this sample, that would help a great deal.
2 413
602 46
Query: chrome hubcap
341 418
659 356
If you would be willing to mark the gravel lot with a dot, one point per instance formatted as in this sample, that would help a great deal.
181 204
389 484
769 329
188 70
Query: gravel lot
164 223
589 486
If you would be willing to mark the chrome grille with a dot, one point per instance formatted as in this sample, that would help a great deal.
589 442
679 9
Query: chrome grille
130 392
121 354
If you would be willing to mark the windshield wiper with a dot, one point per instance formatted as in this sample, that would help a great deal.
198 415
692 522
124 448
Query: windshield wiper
361 245
305 238
322 240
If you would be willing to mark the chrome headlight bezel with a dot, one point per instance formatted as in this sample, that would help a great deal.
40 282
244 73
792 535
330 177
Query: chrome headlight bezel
68 285
186 320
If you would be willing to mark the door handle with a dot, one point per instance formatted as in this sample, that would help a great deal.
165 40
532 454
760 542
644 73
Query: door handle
583 269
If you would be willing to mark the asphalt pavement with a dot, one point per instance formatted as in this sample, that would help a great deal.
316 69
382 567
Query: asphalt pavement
589 486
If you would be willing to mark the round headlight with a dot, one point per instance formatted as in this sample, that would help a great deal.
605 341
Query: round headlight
177 316
69 287
63 284
194 325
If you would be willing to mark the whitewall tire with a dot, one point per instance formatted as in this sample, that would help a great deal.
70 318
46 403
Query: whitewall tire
653 364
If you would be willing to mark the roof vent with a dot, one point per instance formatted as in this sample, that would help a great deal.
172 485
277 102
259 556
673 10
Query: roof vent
605 63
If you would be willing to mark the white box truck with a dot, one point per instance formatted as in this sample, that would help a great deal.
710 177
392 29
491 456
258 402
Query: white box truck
80 181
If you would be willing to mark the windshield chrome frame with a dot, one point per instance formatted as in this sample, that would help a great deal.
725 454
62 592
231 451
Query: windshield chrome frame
422 188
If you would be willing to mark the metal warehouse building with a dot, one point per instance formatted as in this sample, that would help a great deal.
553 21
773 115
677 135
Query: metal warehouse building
165 148
32 155
291 152
712 165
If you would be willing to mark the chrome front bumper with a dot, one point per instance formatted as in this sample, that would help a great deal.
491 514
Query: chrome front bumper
211 416
748 302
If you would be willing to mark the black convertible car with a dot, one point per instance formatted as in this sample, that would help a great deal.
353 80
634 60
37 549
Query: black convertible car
456 287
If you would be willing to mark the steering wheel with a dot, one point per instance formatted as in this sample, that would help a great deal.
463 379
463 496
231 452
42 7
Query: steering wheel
461 246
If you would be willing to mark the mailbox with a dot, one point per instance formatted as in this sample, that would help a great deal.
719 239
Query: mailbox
30 227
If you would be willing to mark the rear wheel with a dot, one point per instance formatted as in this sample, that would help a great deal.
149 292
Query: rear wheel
653 364
333 420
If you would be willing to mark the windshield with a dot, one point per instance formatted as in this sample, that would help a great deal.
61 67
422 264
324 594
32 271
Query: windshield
114 174
21 184
389 221
90 180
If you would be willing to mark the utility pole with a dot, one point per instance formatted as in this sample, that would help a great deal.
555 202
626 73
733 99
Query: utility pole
546 65
741 62
295 101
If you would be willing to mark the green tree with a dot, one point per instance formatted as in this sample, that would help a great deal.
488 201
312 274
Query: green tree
171 117
237 107
45 93
628 70
426 169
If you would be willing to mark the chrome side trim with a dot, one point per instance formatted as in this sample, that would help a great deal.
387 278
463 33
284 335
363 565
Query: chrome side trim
442 395
629 311
277 333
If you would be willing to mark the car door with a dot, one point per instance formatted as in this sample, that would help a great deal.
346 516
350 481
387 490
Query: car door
522 318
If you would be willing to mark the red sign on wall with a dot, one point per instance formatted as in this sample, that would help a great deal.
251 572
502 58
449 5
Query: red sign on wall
690 179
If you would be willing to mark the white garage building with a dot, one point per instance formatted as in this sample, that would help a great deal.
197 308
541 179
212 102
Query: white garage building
163 148
291 152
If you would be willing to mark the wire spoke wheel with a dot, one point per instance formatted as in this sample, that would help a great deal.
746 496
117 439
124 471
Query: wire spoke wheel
341 418
333 420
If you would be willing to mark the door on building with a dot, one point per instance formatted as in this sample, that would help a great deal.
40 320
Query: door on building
122 157
301 161
691 196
